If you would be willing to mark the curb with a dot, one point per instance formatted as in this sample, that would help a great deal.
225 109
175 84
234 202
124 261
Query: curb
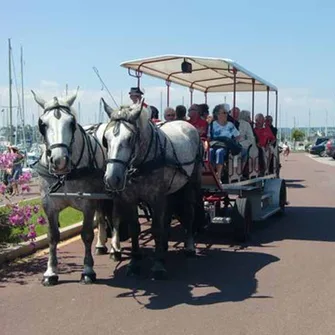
25 249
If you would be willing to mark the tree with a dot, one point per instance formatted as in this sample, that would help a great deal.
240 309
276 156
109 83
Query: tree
297 135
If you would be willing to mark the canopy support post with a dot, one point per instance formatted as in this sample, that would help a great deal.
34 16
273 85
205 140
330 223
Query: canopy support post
168 84
137 74
267 100
191 95
253 101
205 97
234 94
276 117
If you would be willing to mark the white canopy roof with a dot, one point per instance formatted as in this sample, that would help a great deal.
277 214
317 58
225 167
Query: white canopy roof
208 74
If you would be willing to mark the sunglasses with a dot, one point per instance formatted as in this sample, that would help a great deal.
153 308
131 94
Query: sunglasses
170 115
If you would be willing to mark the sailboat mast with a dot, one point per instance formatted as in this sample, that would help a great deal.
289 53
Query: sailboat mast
22 103
10 92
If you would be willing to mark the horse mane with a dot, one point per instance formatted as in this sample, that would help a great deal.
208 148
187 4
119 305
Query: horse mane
124 113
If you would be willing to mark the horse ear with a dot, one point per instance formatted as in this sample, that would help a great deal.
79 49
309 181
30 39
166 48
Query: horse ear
70 100
38 99
107 108
136 111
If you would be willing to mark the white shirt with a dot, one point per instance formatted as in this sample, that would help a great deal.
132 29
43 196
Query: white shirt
228 130
247 136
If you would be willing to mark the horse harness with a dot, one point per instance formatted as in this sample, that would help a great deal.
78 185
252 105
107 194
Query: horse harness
159 159
75 173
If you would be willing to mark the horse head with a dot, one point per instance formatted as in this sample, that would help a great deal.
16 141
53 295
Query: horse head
123 139
57 125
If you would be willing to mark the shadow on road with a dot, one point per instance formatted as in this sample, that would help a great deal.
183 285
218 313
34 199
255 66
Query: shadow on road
299 223
214 276
19 272
294 183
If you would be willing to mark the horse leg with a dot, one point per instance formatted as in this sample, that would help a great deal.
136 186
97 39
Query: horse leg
88 275
100 247
50 276
160 230
187 216
133 268
115 251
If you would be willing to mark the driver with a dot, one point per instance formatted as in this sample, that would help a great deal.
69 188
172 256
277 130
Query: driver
135 95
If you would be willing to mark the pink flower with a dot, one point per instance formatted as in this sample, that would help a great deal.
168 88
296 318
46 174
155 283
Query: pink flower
32 235
41 220
3 188
25 178
25 187
16 219
36 209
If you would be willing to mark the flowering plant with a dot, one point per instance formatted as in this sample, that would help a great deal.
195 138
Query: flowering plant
20 215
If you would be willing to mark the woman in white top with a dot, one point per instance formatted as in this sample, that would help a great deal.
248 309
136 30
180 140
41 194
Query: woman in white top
247 136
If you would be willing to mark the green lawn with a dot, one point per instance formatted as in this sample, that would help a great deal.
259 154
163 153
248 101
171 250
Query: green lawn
67 217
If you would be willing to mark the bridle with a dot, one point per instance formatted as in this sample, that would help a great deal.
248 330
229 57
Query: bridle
132 127
58 109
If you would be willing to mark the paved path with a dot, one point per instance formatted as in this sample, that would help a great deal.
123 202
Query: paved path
283 283
33 193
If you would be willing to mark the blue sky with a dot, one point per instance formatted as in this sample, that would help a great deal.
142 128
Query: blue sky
289 43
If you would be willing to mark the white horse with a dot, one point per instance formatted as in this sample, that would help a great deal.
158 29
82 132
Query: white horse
159 166
74 161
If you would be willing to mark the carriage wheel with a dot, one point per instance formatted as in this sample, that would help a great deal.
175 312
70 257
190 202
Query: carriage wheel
242 219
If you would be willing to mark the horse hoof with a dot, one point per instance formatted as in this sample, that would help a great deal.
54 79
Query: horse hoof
101 251
50 281
159 275
190 253
88 278
116 256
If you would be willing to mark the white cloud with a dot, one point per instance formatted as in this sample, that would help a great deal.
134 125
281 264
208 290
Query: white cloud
46 84
294 102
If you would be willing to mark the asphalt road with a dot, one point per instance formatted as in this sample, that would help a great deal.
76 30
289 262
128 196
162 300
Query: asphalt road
283 282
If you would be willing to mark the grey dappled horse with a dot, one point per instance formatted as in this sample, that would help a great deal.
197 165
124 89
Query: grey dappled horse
74 161
159 166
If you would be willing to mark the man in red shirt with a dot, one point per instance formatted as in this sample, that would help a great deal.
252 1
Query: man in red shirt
196 121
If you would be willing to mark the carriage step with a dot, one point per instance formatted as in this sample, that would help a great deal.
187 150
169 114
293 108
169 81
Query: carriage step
221 220
237 188
269 211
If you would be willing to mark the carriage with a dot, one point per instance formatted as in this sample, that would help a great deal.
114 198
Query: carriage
75 159
239 201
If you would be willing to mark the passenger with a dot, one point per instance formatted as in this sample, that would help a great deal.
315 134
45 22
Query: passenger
268 122
264 138
274 130
169 114
154 114
234 116
204 111
247 137
223 136
196 121
263 132
181 113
